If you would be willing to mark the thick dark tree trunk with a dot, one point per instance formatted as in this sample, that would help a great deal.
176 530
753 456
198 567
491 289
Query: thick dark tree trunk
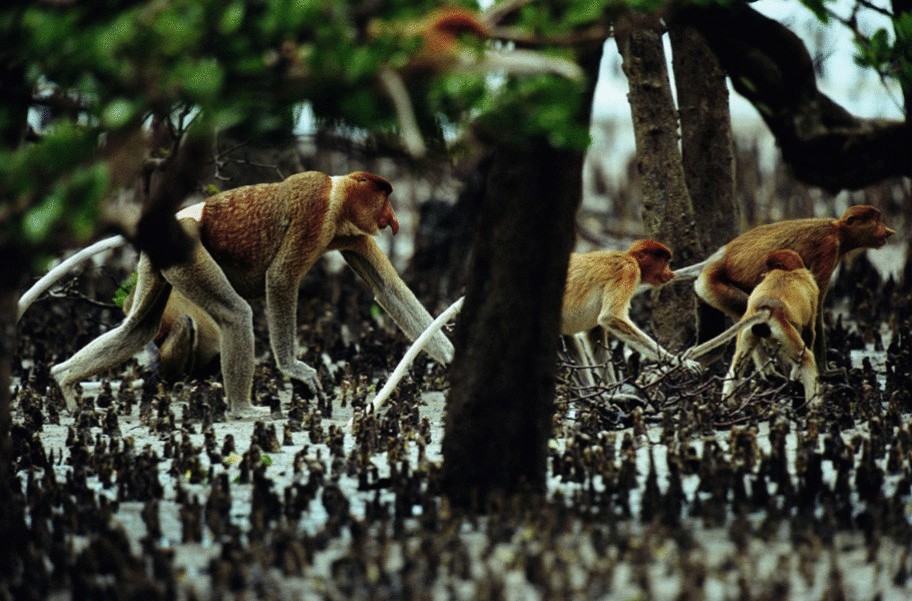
439 266
706 151
667 210
706 138
12 273
501 398
12 524
500 405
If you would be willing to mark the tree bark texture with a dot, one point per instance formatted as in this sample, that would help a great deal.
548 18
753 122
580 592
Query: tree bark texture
500 405
770 66
706 138
12 273
667 211
706 151
502 378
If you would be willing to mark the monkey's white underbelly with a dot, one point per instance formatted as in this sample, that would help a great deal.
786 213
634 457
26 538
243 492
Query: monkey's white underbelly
194 212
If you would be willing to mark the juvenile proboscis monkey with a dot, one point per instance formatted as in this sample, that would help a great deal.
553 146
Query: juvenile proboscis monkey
600 286
727 278
782 311
188 340
254 241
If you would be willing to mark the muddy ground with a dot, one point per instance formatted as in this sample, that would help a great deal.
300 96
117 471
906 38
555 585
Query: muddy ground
149 493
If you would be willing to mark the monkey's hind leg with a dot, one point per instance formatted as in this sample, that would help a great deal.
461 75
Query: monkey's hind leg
203 282
744 349
804 364
810 379
124 341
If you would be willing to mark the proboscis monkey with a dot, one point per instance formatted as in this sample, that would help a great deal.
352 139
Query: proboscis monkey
441 36
600 286
188 339
254 241
727 278
782 310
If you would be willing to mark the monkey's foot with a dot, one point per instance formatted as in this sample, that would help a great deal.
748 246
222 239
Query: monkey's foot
247 411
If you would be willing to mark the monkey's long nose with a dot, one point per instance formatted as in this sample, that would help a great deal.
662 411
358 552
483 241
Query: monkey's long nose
393 223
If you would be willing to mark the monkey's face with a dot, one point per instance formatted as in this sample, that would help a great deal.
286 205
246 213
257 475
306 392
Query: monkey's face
368 206
654 271
882 232
865 227
654 259
387 218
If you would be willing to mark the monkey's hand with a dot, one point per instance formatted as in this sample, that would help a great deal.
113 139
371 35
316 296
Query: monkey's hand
305 374
688 365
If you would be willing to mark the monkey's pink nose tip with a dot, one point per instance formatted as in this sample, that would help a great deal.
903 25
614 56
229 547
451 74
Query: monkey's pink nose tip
394 225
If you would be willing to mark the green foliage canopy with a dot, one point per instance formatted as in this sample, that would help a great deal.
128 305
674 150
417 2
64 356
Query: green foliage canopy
96 71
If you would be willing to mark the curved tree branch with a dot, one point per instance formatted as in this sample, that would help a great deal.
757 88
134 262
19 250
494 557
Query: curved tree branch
823 143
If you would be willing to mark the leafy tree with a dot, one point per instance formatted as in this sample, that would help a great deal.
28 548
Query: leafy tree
126 96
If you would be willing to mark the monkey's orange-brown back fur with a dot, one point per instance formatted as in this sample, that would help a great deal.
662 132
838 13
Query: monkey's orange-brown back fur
738 266
789 291
589 275
244 228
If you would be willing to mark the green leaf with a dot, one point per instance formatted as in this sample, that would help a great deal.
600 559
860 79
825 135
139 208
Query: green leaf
118 113
201 79
39 220
123 291
818 7
232 18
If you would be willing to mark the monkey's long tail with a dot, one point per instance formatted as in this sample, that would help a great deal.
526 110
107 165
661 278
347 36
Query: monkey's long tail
410 355
757 319
57 273
691 271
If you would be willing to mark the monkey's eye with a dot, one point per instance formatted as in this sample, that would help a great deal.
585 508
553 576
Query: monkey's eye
851 219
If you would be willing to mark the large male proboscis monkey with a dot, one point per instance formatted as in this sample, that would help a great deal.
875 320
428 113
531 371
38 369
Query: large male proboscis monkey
254 241
600 286
781 310
727 278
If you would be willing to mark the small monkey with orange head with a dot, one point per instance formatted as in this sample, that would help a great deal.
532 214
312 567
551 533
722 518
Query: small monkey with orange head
600 286
188 340
254 241
782 310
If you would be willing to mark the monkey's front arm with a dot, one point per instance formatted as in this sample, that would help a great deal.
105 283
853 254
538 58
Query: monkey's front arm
373 266
281 316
